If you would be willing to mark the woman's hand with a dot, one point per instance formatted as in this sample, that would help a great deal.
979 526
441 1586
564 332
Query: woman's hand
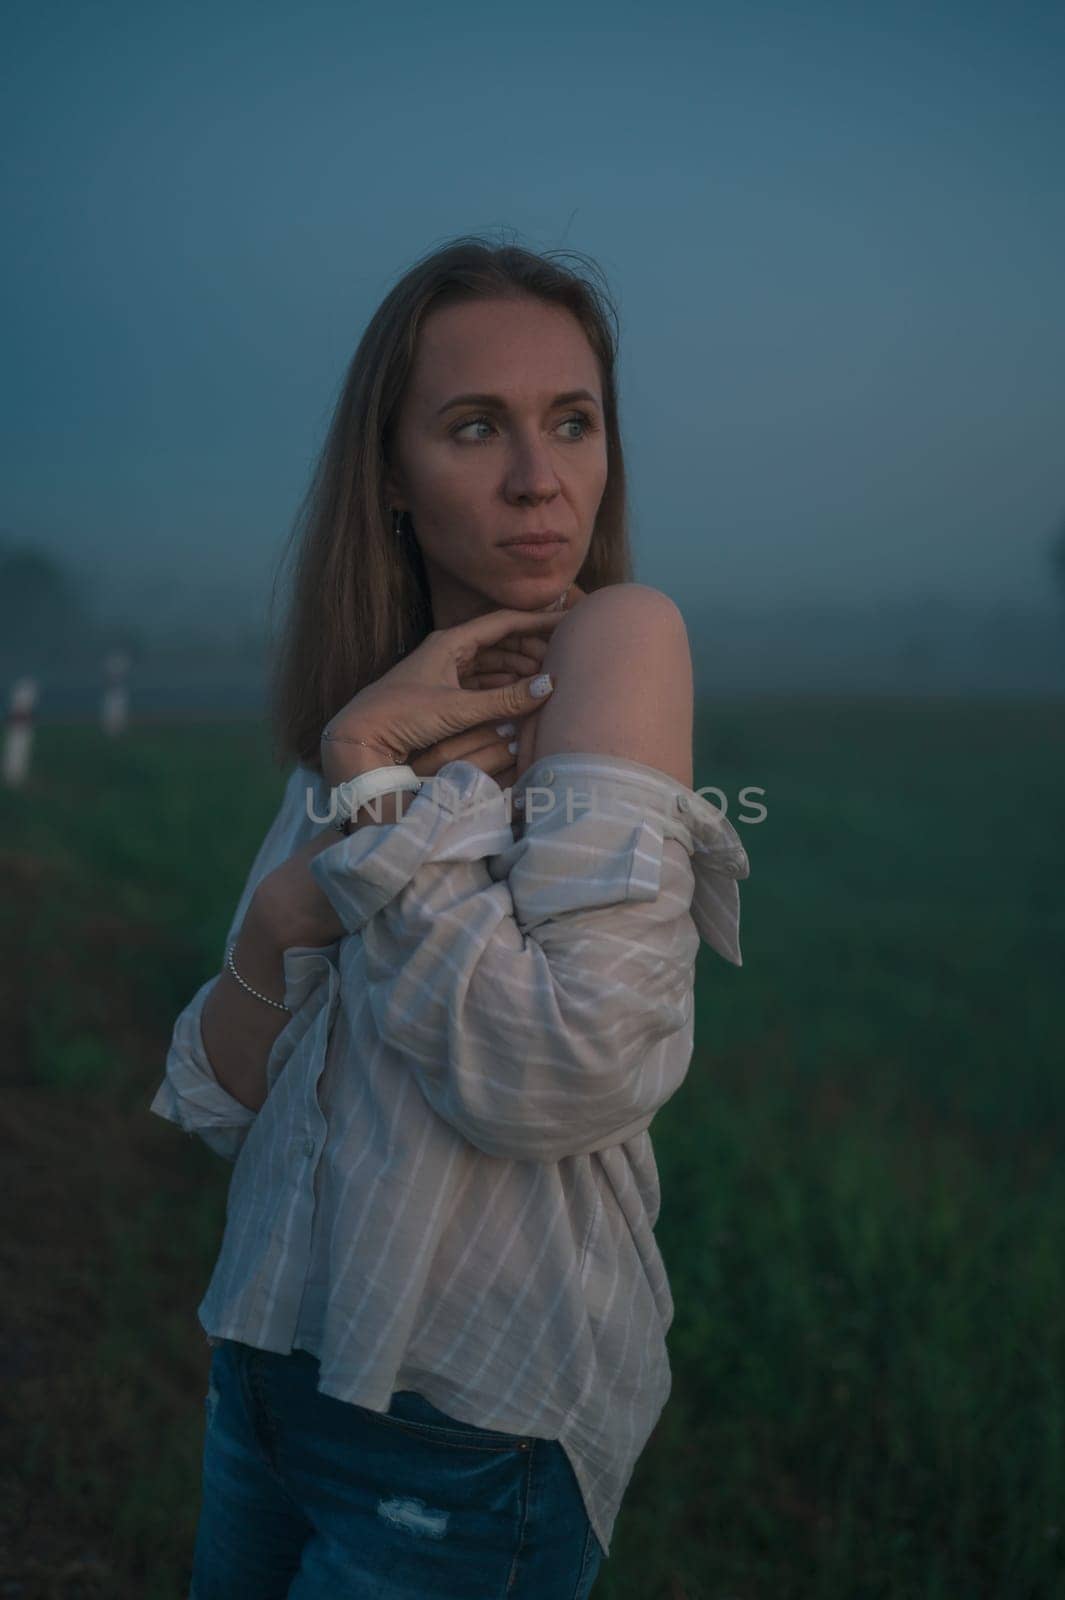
288 909
421 701
519 653
514 657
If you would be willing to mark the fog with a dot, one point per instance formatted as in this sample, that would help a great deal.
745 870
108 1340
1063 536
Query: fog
835 240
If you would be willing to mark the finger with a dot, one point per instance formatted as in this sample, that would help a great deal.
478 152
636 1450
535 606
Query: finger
465 639
492 680
537 648
524 653
496 659
518 639
458 747
488 680
469 745
492 758
512 700
524 643
495 761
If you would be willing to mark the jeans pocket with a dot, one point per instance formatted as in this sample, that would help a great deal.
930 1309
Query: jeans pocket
412 1413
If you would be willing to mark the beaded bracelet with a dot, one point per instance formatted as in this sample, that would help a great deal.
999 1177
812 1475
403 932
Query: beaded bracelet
229 963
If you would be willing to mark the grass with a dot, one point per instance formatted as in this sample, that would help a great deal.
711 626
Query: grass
863 1192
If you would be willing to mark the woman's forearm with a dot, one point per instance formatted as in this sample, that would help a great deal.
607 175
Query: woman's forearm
238 1030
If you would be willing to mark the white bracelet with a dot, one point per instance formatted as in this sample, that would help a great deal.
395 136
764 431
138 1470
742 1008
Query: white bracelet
255 992
366 786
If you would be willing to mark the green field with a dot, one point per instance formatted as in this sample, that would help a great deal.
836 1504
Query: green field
863 1183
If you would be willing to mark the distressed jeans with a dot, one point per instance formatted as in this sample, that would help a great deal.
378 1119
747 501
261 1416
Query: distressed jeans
306 1496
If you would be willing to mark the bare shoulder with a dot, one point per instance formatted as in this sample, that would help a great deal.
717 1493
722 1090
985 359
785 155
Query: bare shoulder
622 616
621 661
627 599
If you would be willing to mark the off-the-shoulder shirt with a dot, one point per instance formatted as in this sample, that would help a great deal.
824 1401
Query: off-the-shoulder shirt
450 1186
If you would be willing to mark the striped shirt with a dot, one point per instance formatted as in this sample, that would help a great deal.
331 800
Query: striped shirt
450 1186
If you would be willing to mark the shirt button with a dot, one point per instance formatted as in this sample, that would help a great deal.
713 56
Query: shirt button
683 803
308 1147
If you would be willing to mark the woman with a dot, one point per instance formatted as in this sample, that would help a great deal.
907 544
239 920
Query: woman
442 1026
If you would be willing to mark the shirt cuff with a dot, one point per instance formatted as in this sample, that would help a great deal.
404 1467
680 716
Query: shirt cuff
596 828
460 814
190 1095
593 835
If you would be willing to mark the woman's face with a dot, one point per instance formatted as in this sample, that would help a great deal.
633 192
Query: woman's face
520 459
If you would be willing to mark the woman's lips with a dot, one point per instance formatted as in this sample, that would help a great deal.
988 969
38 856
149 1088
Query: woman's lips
541 550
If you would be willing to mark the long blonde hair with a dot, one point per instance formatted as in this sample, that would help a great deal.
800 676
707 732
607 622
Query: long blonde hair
358 598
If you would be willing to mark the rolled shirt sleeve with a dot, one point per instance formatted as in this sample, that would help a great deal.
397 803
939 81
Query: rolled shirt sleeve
190 1094
541 990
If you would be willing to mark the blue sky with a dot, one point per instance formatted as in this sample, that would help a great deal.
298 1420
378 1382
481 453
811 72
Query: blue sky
835 234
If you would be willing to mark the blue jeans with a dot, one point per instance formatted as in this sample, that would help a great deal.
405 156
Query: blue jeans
309 1497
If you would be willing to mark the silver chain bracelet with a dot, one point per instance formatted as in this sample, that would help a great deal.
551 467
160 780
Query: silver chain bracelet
339 738
229 963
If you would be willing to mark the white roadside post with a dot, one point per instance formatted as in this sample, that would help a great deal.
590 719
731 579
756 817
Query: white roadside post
18 732
114 710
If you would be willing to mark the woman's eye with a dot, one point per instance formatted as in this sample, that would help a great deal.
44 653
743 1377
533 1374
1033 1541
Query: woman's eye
474 422
582 417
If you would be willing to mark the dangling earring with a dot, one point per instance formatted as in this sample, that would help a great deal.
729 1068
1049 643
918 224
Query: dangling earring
398 531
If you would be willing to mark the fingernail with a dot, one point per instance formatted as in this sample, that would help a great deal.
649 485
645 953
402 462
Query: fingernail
504 728
541 685
513 747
